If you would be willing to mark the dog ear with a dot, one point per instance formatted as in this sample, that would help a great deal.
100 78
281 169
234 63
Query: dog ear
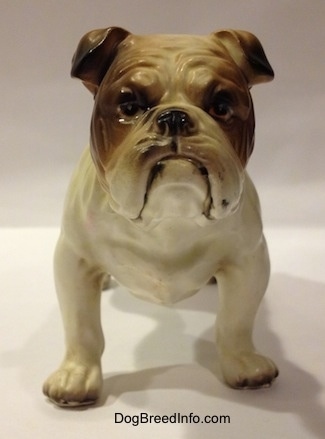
95 52
247 52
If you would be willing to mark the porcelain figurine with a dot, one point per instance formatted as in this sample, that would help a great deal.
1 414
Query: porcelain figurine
161 200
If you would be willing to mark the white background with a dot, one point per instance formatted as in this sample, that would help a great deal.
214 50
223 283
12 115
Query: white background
165 365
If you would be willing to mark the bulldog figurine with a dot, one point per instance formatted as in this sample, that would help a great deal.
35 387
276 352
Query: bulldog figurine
161 200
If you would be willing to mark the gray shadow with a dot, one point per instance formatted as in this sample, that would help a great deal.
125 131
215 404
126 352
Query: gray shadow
295 391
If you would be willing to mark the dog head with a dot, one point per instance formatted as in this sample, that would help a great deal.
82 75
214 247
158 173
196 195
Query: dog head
173 120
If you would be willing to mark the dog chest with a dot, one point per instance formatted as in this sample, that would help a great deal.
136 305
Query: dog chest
164 265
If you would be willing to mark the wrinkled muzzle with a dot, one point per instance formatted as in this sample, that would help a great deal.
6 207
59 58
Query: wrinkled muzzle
174 166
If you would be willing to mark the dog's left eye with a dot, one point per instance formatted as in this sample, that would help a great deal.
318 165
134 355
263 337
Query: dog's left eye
221 107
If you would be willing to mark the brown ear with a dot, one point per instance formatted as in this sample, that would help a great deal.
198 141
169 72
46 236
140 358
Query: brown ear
94 54
247 52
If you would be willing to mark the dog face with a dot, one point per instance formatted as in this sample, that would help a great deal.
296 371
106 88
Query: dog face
173 120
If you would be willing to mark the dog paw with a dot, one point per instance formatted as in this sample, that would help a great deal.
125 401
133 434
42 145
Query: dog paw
74 385
248 370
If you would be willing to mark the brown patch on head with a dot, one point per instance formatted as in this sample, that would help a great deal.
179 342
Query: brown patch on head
134 78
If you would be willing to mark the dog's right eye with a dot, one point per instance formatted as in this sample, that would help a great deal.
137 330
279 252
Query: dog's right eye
130 107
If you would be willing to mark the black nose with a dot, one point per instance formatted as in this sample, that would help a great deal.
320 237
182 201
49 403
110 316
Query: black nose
174 122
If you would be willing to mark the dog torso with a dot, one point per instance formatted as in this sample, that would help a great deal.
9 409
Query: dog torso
166 261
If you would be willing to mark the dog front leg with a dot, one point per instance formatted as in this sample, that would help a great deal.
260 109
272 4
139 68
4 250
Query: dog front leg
79 379
241 288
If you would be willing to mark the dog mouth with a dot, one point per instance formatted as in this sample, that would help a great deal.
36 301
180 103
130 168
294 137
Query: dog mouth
177 186
199 178
160 167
